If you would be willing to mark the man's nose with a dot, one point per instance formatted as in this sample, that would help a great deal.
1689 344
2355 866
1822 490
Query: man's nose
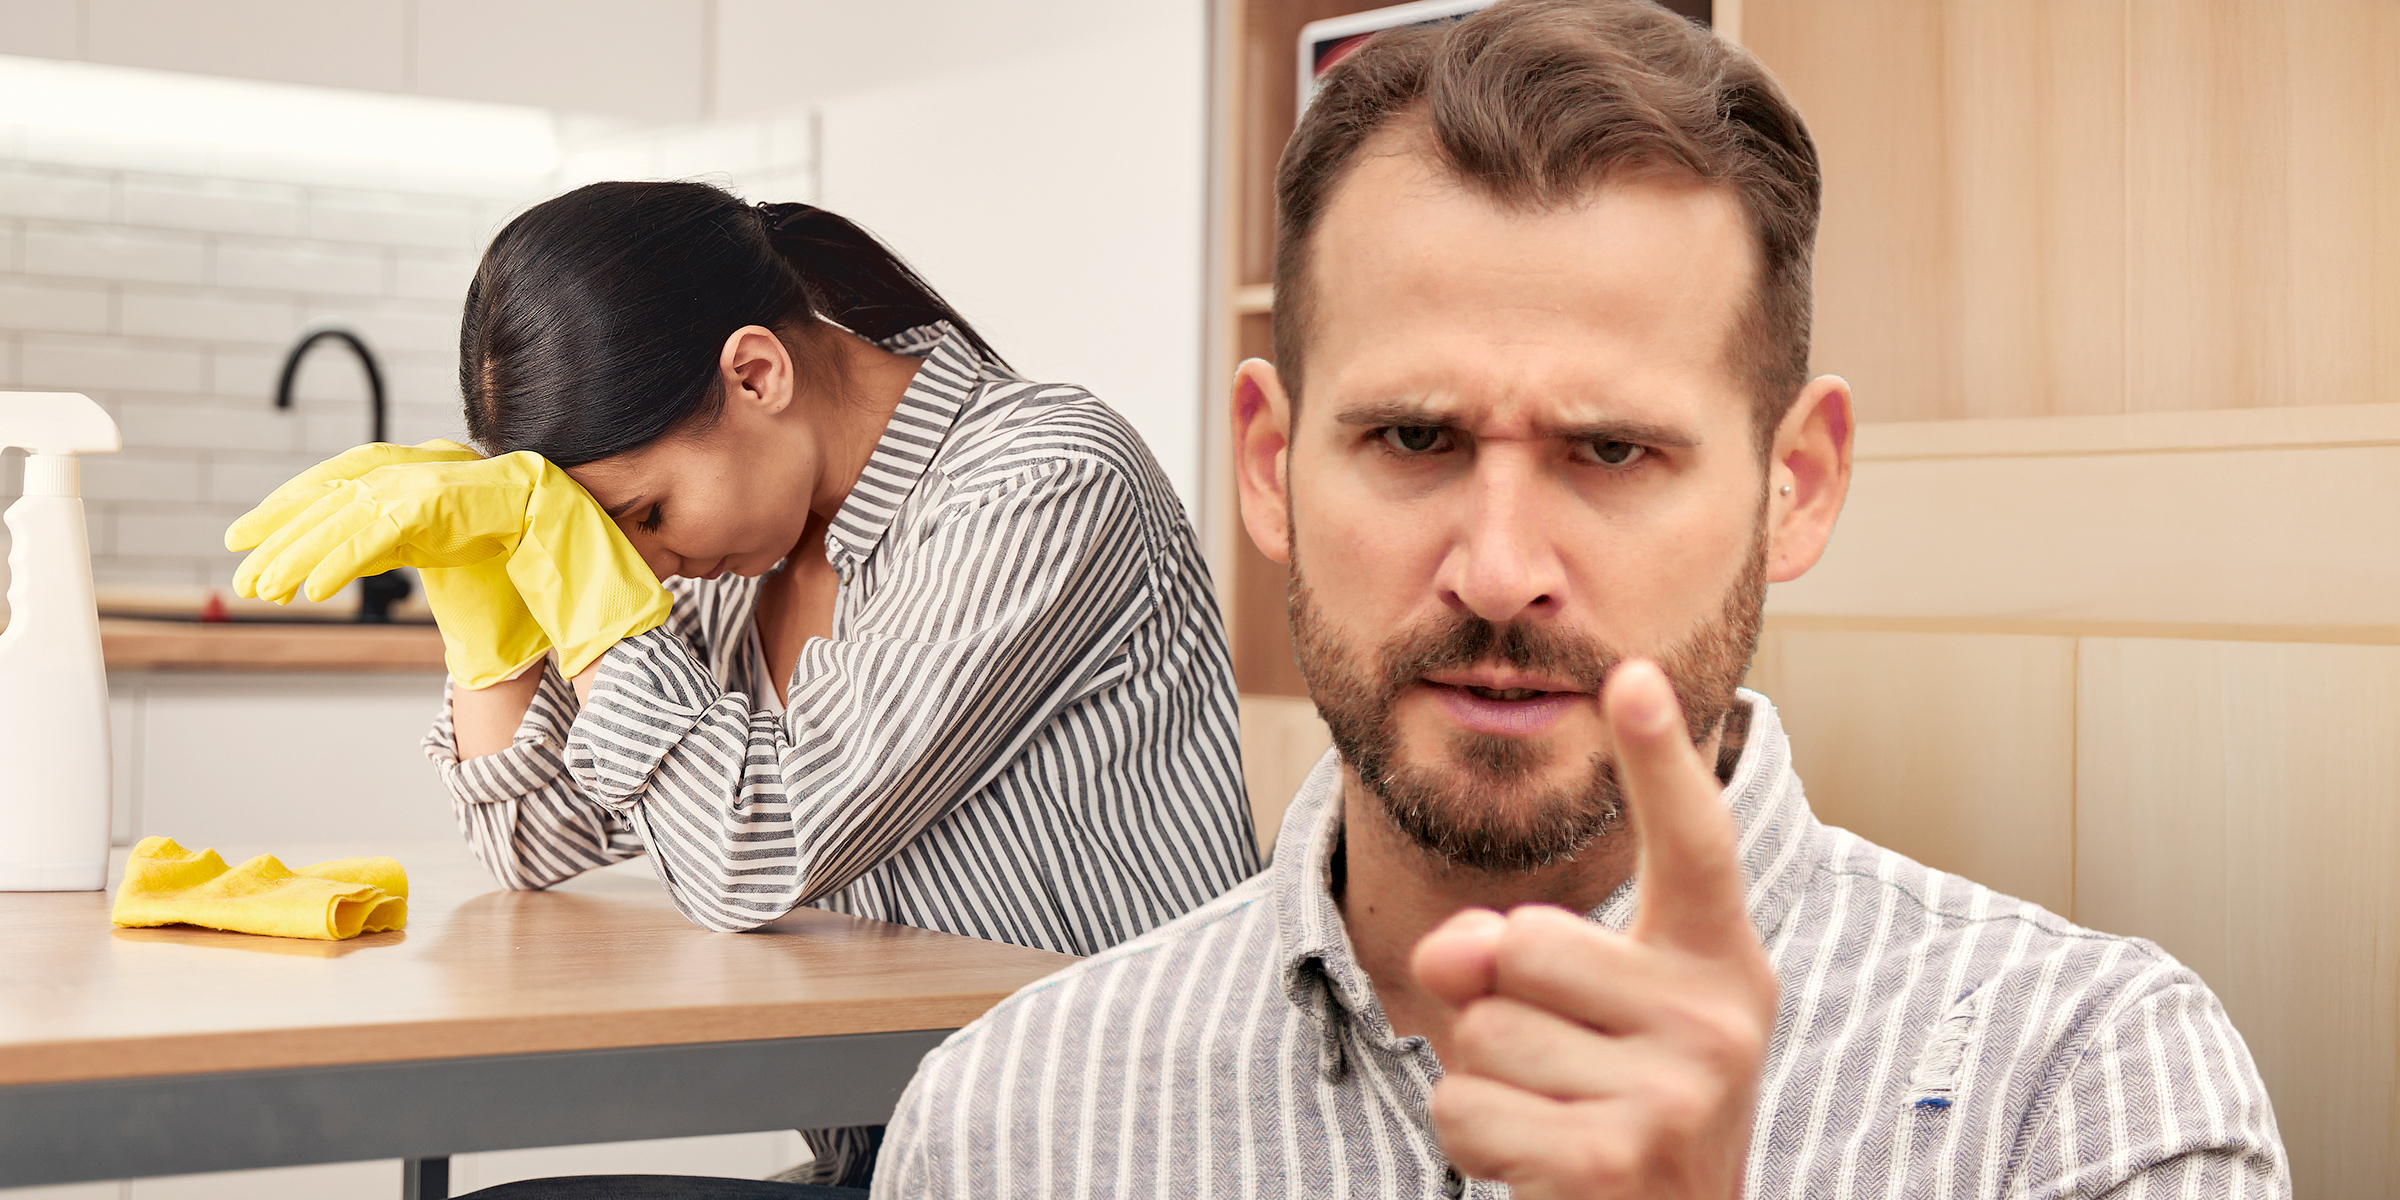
1504 562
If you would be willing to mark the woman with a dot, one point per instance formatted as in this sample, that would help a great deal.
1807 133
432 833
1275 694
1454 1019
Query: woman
941 649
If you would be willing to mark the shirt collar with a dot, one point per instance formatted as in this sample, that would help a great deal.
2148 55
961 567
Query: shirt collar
944 385
1319 971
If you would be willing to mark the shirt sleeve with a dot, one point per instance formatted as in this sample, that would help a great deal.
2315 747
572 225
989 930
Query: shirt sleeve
1004 607
522 812
2162 1101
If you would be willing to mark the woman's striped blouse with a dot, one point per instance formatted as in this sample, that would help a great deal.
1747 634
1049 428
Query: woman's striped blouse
1022 729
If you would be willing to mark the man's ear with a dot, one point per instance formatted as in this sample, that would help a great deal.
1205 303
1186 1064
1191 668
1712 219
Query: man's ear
1262 442
1811 458
756 369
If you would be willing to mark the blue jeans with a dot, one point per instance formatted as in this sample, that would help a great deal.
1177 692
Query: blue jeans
661 1187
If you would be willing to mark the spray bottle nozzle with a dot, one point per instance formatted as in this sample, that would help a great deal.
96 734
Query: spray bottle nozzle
56 423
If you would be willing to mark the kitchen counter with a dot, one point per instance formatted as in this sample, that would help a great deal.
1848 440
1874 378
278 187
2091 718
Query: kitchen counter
138 645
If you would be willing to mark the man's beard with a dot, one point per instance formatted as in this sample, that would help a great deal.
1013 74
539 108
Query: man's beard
1479 813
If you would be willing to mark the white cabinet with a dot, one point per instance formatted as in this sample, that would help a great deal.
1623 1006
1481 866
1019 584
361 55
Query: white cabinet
212 758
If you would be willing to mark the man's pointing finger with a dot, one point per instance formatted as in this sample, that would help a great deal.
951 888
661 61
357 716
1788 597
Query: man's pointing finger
1691 877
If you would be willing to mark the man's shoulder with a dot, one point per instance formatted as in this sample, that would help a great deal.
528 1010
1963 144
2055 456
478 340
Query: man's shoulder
1943 905
1211 946
2031 989
1918 1000
1885 903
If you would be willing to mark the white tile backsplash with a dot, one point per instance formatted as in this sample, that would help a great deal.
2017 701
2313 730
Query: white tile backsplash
392 326
159 531
243 478
53 305
432 275
203 315
395 220
63 362
295 266
168 279
146 475
213 205
56 195
101 252
194 423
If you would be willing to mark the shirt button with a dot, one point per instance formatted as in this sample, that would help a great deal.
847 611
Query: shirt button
1453 1185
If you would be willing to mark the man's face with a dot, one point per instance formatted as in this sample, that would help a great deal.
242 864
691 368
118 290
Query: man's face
1522 455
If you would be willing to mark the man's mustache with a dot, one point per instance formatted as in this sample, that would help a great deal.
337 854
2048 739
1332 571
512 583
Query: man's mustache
1466 640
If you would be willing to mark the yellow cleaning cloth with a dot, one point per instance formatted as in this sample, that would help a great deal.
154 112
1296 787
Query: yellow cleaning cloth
166 884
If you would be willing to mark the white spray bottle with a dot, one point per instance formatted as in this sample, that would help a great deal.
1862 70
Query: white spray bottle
54 789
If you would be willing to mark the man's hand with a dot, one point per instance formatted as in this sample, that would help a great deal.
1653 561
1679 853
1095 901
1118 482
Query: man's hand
1588 1063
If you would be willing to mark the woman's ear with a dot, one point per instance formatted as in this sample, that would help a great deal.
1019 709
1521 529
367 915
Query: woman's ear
756 369
1262 437
1808 476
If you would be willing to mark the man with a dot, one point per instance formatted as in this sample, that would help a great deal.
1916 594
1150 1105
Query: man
1539 433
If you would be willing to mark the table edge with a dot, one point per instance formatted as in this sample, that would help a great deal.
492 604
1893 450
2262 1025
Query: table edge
168 1055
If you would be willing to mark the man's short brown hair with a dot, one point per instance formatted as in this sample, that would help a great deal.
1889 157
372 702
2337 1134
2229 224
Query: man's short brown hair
1534 103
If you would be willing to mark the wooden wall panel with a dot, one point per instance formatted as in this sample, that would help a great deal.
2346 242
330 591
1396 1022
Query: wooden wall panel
1957 750
2160 518
1282 739
2270 537
2236 803
2035 139
1884 274
2061 207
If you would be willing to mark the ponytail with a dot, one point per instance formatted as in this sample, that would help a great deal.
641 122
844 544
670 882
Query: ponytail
596 319
856 281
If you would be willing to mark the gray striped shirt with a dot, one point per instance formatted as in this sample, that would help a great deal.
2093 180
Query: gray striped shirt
1935 1039
1022 729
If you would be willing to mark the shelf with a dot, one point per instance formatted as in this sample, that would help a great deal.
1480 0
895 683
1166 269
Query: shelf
188 646
1255 298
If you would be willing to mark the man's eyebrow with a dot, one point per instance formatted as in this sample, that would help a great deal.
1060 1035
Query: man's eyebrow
1640 433
618 510
1393 412
1401 413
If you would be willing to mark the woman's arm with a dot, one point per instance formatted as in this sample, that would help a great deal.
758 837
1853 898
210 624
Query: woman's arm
1007 610
525 818
485 720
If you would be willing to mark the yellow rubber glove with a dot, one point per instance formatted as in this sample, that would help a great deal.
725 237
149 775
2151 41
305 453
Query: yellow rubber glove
487 633
580 579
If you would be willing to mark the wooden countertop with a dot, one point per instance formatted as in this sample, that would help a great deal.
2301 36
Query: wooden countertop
601 961
190 646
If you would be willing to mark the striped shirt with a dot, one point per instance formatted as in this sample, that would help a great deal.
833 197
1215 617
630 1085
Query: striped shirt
1935 1039
1022 729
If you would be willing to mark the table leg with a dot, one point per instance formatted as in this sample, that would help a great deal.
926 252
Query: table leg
425 1178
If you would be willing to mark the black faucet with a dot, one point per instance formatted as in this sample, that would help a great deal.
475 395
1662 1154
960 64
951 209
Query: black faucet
376 593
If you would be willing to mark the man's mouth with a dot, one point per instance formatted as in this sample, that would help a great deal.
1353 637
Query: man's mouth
1504 711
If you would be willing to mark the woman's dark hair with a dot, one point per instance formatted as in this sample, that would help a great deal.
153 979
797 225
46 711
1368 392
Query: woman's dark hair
596 319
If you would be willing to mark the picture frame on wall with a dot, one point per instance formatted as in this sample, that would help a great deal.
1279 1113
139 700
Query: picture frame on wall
1324 43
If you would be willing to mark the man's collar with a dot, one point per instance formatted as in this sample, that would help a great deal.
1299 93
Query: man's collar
944 383
1321 972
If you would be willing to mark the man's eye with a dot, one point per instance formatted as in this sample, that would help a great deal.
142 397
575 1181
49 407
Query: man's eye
1617 454
1413 439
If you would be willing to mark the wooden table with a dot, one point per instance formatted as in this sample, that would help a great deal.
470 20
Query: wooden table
591 1012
